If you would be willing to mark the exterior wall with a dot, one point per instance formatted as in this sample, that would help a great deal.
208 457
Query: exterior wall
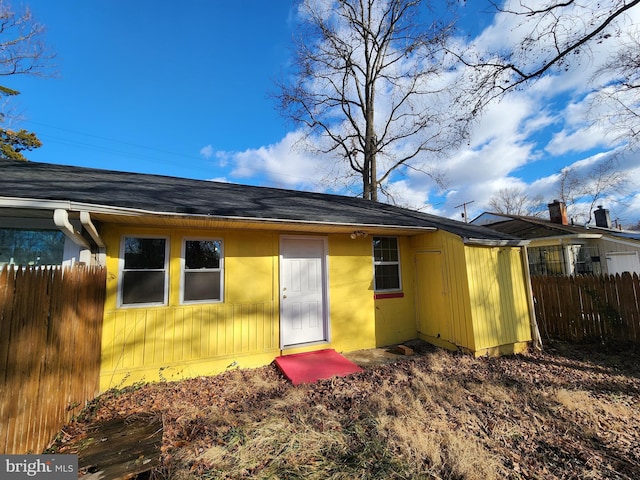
395 313
142 344
499 299
180 341
471 297
607 247
477 303
564 256
444 315
351 294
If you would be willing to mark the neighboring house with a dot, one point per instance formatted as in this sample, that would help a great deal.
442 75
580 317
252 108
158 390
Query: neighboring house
559 248
203 276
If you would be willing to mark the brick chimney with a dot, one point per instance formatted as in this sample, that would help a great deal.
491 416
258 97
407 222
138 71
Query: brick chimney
602 217
558 212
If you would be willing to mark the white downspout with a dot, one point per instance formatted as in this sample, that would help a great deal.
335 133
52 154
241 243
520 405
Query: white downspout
85 219
61 219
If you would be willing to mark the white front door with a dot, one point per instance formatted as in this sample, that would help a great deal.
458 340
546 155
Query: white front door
303 287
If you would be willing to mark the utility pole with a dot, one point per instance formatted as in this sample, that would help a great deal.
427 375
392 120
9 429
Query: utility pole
464 214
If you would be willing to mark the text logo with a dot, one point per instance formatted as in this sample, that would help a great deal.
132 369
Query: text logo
51 467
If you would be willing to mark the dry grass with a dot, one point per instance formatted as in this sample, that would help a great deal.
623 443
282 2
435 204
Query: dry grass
438 416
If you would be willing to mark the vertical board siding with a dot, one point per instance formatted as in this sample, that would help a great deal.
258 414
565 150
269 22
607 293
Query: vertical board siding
603 308
50 335
151 339
498 294
455 301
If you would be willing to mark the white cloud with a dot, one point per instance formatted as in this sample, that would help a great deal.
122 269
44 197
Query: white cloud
521 141
206 151
284 163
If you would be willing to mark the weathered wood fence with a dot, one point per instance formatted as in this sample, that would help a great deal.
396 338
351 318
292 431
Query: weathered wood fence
50 335
603 308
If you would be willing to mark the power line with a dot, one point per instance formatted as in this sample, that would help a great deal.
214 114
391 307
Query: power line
464 213
137 156
114 140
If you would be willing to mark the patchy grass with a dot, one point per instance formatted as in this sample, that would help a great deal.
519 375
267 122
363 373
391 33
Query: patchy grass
569 412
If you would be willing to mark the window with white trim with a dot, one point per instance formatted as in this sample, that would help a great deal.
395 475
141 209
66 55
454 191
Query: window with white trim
386 264
144 271
202 271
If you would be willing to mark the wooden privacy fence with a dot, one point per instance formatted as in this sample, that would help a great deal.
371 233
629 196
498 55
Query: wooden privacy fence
588 307
50 335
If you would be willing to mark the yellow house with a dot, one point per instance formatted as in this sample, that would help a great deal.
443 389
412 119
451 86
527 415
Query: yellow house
205 276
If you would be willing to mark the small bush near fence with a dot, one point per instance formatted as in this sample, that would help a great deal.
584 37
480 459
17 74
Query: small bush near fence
50 334
604 308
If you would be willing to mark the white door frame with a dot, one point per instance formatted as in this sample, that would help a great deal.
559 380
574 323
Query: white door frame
324 289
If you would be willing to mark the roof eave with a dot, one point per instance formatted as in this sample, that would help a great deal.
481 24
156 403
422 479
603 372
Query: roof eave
486 242
105 211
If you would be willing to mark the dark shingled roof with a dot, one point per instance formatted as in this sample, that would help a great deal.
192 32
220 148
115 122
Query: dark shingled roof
531 228
172 195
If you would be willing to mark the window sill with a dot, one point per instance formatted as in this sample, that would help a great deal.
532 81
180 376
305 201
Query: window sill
382 296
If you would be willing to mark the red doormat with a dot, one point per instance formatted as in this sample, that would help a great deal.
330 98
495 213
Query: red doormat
312 366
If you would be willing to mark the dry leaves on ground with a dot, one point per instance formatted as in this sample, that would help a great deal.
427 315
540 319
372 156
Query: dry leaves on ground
567 412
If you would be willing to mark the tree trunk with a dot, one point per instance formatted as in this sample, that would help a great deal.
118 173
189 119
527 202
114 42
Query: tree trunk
373 184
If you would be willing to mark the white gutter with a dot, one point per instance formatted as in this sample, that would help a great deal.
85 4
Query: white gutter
85 219
61 219
110 210
495 243
550 241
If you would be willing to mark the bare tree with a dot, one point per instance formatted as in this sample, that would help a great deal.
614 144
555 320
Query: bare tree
560 32
581 190
617 104
22 52
369 88
515 201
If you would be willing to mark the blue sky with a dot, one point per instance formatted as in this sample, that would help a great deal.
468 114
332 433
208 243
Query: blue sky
184 90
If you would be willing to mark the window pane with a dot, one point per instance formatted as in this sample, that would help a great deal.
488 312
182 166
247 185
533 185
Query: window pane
31 247
144 253
547 260
142 287
387 277
385 249
202 254
201 286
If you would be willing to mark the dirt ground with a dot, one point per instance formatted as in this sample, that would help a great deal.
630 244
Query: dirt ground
566 412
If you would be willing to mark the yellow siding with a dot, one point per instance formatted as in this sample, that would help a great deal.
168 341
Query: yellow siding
498 296
180 341
446 313
352 319
479 304
395 317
